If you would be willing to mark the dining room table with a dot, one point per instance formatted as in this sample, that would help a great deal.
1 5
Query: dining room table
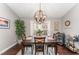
48 41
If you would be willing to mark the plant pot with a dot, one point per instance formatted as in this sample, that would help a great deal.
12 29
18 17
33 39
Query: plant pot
39 34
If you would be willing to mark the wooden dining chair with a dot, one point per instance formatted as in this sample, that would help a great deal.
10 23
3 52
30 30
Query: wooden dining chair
25 43
39 44
53 44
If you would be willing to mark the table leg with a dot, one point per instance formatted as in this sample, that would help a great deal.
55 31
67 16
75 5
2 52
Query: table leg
55 47
23 49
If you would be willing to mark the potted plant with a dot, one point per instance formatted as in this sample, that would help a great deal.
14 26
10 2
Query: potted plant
20 28
39 32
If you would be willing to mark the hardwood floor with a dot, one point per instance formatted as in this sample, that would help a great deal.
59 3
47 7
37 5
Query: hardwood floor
65 51
61 50
13 51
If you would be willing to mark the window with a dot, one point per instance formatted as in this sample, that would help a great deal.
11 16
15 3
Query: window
44 27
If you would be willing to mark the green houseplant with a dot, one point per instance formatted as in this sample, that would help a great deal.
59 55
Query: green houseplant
39 32
20 28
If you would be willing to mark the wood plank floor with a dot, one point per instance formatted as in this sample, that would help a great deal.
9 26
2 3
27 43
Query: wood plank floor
13 51
65 51
61 50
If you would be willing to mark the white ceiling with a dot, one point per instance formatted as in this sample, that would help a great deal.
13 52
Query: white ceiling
52 10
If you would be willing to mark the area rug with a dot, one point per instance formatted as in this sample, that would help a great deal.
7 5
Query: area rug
28 52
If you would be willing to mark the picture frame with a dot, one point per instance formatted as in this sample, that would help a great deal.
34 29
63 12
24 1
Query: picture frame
67 24
4 23
56 26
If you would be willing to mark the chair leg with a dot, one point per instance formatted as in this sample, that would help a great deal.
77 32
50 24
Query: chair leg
31 50
47 50
55 48
23 49
35 52
43 52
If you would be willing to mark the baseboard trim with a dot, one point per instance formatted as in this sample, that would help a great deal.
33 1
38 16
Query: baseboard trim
8 48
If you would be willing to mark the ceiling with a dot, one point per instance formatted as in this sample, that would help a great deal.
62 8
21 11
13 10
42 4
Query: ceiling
52 10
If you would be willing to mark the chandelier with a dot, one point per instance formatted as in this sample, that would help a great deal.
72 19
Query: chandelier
40 16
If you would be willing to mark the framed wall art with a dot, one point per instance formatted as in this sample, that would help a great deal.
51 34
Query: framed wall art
4 23
67 23
56 26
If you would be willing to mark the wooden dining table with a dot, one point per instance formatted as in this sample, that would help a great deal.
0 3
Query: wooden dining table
49 41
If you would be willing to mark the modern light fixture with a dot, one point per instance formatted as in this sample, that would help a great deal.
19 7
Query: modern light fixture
40 15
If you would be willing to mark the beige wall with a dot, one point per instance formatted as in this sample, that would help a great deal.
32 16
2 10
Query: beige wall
7 36
73 16
27 24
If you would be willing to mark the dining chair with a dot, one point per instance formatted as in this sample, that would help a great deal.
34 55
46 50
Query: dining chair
39 44
26 43
53 44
